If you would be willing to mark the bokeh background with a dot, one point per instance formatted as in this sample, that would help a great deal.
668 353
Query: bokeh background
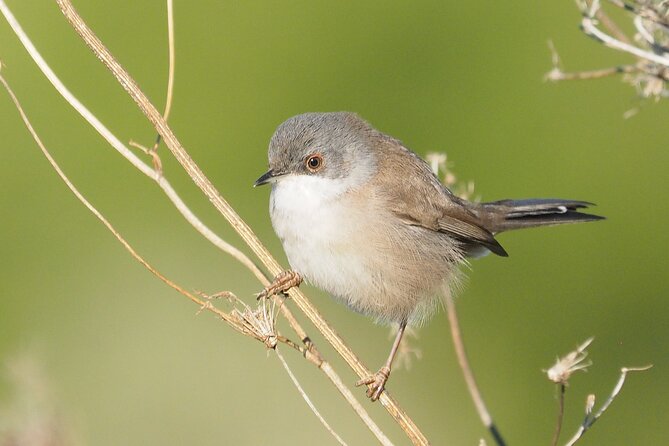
90 339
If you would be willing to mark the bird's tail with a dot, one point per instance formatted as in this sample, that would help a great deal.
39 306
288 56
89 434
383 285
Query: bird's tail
506 215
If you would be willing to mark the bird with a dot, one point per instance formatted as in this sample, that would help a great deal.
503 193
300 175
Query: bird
366 220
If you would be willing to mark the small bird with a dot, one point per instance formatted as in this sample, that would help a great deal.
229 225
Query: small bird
365 219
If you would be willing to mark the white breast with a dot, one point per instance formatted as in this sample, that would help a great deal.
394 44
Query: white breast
320 234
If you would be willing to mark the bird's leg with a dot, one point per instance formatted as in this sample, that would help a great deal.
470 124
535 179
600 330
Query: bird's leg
377 382
281 283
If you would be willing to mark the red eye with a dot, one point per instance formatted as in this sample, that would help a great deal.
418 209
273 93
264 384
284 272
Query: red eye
314 162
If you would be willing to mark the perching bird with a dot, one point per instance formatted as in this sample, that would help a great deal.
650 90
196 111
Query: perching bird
365 219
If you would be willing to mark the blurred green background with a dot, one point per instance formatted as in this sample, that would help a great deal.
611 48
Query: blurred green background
125 360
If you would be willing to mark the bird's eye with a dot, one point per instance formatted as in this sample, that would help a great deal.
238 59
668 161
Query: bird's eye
314 162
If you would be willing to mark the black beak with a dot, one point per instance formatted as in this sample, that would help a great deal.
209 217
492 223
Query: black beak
265 178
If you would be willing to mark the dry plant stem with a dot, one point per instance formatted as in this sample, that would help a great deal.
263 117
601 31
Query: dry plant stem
311 353
562 388
125 151
193 220
172 56
204 304
170 68
235 221
559 75
456 335
590 418
556 74
307 399
589 27
612 26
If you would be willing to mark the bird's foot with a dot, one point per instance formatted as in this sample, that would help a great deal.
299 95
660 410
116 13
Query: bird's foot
281 283
376 383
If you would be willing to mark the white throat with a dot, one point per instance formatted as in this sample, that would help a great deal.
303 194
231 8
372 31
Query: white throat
305 192
317 227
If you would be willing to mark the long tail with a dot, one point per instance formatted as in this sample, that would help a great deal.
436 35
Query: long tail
506 215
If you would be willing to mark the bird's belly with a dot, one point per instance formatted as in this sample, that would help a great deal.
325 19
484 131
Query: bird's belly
324 246
375 269
325 240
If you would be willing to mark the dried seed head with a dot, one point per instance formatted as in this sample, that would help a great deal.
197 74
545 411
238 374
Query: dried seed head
259 323
570 363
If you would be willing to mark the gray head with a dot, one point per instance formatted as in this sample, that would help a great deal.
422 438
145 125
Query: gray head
329 145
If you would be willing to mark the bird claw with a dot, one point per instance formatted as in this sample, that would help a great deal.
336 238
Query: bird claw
376 383
281 283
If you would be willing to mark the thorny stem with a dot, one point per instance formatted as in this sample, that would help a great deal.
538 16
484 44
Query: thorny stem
477 398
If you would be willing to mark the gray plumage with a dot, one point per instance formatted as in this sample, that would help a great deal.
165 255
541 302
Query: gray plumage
372 225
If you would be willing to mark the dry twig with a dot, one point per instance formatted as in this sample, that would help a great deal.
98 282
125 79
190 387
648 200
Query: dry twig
310 353
590 417
463 361
258 324
306 398
439 164
229 214
650 45
560 373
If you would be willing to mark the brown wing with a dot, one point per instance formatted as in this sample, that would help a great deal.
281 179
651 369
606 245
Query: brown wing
471 232
418 197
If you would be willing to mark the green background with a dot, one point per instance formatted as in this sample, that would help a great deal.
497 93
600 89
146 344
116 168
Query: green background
126 360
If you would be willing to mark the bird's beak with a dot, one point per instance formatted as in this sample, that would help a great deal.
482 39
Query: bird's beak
267 177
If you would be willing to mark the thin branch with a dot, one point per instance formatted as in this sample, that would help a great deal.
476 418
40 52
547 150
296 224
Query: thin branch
589 27
348 395
560 373
125 151
170 68
172 57
591 418
312 356
647 10
200 302
307 399
191 218
562 388
557 74
474 391
650 46
230 215
260 328
643 31
612 26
